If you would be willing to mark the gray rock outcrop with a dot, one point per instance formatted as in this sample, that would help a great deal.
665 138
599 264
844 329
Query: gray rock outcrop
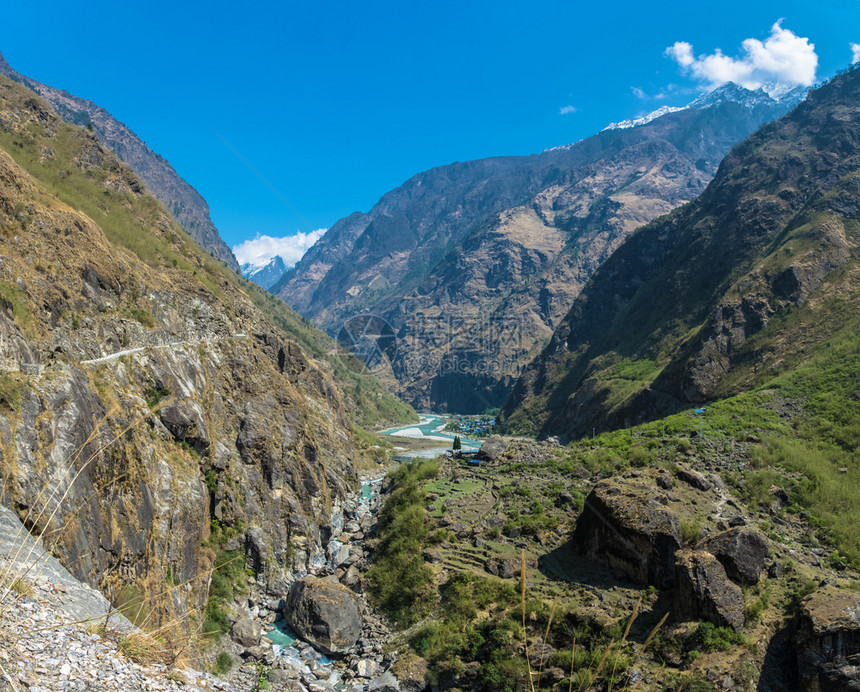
703 591
246 631
493 447
625 527
742 551
827 642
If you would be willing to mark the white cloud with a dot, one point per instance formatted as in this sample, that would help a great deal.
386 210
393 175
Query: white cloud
639 93
566 110
783 59
682 52
260 250
855 53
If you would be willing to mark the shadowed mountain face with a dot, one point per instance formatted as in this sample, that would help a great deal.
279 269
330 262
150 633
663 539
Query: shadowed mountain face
749 281
475 264
184 202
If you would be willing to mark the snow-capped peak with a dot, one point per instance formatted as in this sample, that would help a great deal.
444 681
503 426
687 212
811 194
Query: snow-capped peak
265 274
645 119
766 95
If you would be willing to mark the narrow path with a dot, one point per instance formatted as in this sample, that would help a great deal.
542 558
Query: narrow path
173 344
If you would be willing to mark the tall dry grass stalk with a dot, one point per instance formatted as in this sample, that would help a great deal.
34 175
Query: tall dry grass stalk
572 659
633 616
8 679
523 606
596 673
543 644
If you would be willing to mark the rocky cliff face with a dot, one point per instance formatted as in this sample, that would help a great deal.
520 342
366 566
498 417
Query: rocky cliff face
151 416
184 202
475 264
720 295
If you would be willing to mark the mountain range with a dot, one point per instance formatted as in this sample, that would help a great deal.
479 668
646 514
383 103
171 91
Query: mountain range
475 264
752 279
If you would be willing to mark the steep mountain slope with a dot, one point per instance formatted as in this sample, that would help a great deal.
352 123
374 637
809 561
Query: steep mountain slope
184 202
474 264
754 277
107 309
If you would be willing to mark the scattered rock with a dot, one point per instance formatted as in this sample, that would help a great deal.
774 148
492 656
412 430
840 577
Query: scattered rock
664 480
366 668
432 556
411 671
553 675
384 683
504 568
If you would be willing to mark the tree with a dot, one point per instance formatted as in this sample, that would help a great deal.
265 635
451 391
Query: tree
457 444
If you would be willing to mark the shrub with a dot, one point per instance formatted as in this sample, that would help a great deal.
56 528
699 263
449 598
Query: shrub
691 531
223 664
709 637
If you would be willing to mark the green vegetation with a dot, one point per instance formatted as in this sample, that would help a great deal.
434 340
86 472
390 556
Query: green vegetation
143 316
373 448
14 301
223 664
461 633
709 637
401 584
155 395
228 579
691 531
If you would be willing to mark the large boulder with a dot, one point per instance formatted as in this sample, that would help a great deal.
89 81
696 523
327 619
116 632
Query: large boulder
742 551
323 613
827 642
694 479
246 632
625 527
703 591
493 447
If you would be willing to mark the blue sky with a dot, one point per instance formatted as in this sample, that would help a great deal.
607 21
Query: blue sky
336 104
